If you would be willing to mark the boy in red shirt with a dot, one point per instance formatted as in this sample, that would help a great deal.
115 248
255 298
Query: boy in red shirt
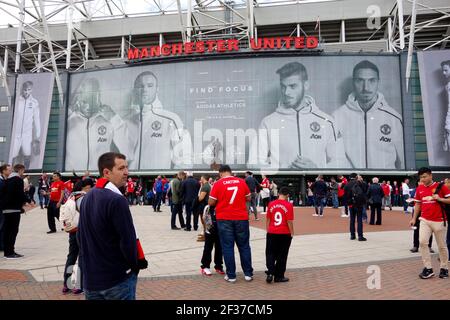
280 230
432 221
56 197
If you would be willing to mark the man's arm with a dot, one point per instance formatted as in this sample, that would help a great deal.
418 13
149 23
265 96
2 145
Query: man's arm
122 221
212 202
61 197
417 210
291 227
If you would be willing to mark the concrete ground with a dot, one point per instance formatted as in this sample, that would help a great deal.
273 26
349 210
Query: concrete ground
323 263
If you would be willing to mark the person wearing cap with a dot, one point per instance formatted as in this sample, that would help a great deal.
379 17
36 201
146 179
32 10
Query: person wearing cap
229 195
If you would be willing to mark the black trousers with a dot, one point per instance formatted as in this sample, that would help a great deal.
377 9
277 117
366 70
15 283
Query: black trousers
177 209
188 206
277 250
10 231
375 207
212 240
356 213
52 213
72 257
265 203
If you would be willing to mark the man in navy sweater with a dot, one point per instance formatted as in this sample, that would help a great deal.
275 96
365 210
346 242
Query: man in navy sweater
110 256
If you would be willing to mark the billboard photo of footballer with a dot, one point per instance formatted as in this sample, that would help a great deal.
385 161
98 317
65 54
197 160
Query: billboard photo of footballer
434 67
276 114
31 115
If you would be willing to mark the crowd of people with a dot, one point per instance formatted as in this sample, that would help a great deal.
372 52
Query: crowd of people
220 207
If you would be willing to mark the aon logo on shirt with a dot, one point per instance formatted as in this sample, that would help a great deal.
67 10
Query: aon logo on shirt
315 136
102 139
385 139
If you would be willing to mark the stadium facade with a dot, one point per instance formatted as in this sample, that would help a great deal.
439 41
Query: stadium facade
218 94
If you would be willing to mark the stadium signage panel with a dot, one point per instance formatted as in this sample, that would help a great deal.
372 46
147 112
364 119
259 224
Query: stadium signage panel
222 46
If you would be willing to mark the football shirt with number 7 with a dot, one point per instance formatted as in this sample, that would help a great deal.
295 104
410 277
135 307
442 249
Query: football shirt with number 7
230 193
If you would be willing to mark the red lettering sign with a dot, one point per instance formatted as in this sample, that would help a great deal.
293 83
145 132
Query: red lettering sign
222 45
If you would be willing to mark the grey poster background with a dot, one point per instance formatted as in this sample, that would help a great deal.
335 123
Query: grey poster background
205 91
435 103
42 92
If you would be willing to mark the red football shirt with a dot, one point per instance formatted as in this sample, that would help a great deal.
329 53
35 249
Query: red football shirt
386 189
431 210
279 213
130 186
230 193
68 185
56 189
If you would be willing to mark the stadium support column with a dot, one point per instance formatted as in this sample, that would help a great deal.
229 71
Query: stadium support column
389 32
189 21
52 54
39 57
302 187
69 34
122 48
250 20
5 82
180 15
410 43
19 34
400 23
342 34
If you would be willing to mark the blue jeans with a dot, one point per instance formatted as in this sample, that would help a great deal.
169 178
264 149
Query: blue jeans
235 231
126 290
405 204
157 201
335 199
43 200
356 214
320 202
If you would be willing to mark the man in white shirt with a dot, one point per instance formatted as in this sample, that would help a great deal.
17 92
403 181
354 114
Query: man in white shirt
27 127
298 134
372 130
405 194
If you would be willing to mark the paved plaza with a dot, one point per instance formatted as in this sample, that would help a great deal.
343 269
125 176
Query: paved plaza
323 263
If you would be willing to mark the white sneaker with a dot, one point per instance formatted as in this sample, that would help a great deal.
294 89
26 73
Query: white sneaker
229 280
344 215
248 278
315 215
206 271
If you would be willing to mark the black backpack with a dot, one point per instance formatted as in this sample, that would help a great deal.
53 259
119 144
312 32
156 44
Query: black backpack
358 196
445 207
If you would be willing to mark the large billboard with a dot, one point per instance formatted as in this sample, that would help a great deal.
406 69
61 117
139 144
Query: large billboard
434 67
286 113
31 114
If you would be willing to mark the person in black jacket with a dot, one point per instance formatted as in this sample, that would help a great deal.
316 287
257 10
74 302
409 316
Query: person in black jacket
355 193
5 171
375 195
110 253
189 193
320 190
14 201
